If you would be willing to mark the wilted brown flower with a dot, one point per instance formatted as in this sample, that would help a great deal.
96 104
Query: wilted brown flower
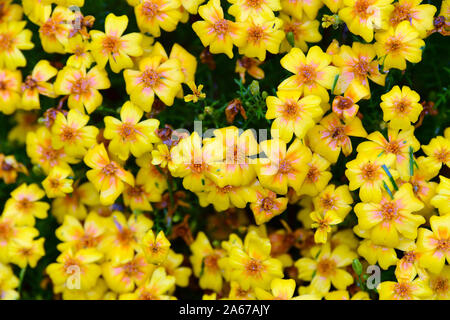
234 107
251 66
207 58
9 168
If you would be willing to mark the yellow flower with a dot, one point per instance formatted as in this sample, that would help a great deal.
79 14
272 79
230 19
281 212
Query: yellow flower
188 62
438 152
317 177
297 8
363 16
357 64
312 74
404 289
156 248
384 256
73 269
259 36
244 9
280 290
332 135
125 238
113 46
192 162
42 153
204 260
196 93
173 267
155 288
323 222
26 122
303 30
267 205
434 244
10 11
283 168
155 76
216 32
10 168
71 133
56 183
393 151
147 188
127 275
252 266
128 134
398 45
442 197
391 217
82 87
420 16
8 283
54 30
107 176
10 82
26 253
327 268
14 38
153 15
36 84
345 107
440 284
191 6
345 295
161 155
76 235
292 114
24 205
368 174
81 57
401 107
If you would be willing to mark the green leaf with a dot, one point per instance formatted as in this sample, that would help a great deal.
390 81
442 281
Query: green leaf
334 83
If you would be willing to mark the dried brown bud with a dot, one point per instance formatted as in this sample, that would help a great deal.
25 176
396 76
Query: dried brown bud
207 58
234 107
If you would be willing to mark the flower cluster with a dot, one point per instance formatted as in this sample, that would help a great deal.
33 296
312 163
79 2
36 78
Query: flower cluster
108 185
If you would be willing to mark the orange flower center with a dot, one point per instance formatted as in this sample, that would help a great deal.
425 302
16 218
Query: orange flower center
402 106
149 9
291 109
24 204
54 183
88 241
313 174
225 189
125 236
342 103
393 147
4 85
327 202
394 45
136 191
255 34
80 86
442 155
6 231
131 269
285 167
146 295
403 290
267 204
440 285
111 44
127 132
211 262
307 74
362 9
410 256
326 267
401 13
68 134
6 42
221 27
361 68
255 4
197 167
69 263
253 267
29 83
150 78
338 133
370 171
110 169
443 245
79 51
389 210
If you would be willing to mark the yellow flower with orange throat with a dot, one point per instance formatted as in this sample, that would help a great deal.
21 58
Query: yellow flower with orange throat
113 46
